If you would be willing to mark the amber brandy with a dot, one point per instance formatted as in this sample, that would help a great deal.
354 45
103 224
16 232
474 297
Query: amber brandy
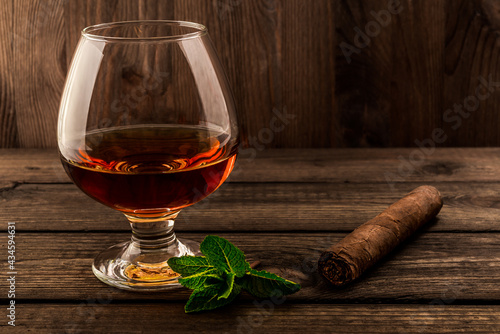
151 169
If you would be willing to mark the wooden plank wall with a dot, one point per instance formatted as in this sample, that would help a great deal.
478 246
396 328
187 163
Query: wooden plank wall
403 74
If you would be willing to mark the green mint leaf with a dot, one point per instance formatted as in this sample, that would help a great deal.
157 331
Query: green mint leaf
226 291
200 280
208 299
224 255
218 277
263 284
189 265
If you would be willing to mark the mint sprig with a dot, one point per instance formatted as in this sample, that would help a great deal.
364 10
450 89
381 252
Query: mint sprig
218 277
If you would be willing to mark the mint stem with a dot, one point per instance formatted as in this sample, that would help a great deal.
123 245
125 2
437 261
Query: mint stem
255 264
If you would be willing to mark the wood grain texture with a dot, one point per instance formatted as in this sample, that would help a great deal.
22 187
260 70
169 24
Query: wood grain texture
86 317
363 69
327 190
40 70
308 68
283 208
252 57
8 123
255 207
427 267
285 57
390 168
471 58
83 13
417 75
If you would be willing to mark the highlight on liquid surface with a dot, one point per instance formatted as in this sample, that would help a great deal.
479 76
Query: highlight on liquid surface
151 169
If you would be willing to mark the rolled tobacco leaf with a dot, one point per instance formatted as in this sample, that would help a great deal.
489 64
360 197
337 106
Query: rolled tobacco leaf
363 247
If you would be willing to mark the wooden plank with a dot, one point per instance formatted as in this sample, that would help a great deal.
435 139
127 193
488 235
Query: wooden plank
255 207
41 73
250 57
389 167
243 50
457 266
471 53
282 54
223 21
306 60
83 13
417 73
243 317
8 124
30 165
363 72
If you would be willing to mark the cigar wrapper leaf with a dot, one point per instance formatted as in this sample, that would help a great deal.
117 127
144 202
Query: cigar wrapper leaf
367 244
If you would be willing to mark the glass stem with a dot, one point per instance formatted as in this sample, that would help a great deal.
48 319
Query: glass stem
153 233
142 262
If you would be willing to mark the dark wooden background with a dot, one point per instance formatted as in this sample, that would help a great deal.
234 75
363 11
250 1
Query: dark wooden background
283 54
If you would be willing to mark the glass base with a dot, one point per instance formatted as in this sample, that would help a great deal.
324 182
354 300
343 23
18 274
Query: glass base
130 267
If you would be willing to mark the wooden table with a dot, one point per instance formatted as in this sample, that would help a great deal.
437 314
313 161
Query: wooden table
283 208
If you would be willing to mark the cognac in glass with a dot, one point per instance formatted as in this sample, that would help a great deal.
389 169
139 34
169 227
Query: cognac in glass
147 127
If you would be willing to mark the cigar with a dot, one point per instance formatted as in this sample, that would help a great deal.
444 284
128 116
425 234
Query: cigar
363 247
